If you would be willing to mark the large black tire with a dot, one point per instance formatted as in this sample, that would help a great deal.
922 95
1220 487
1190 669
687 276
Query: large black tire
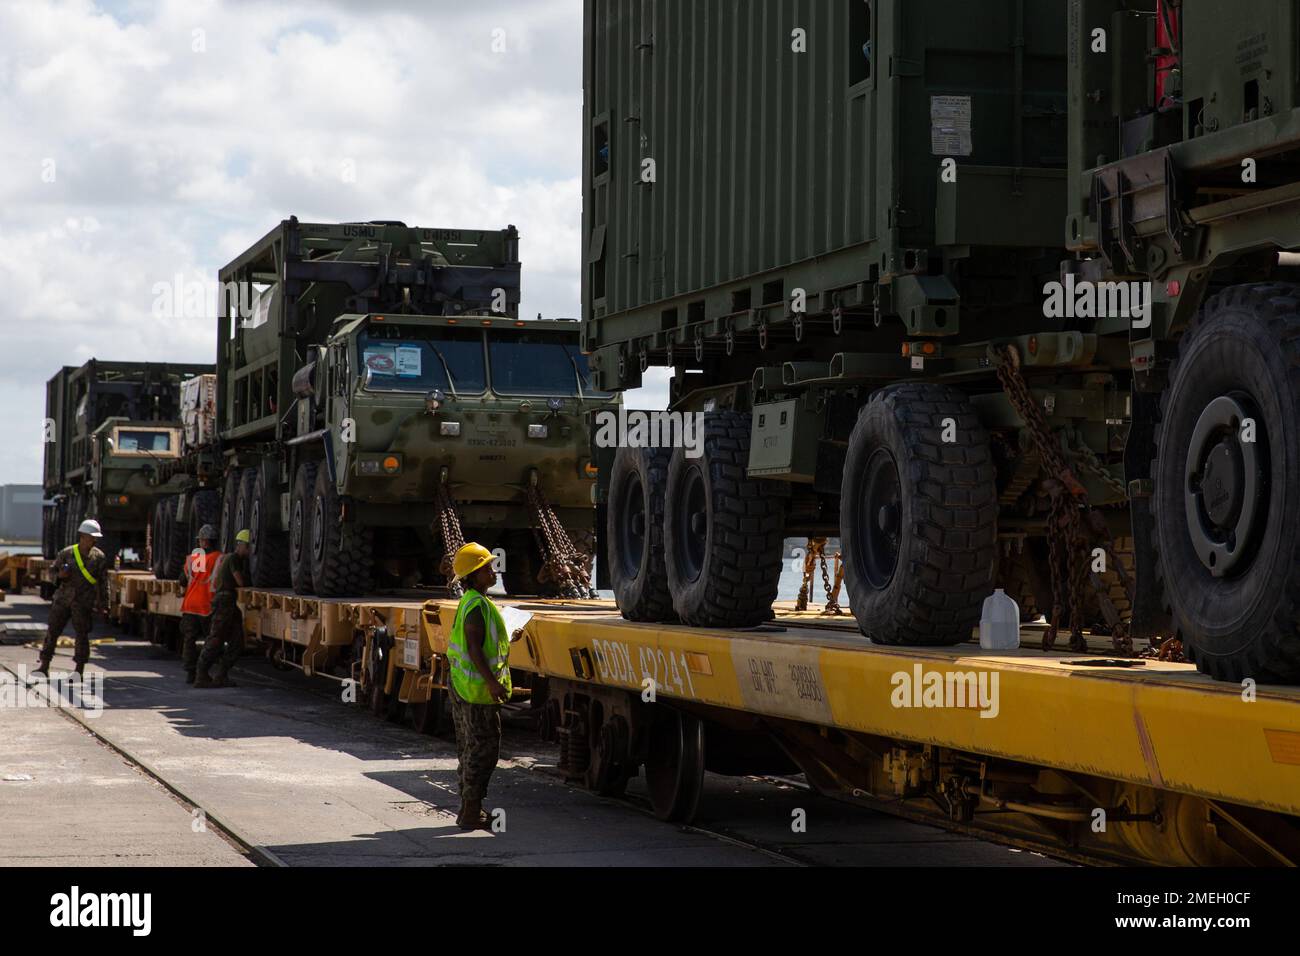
634 535
174 531
300 531
72 518
109 546
51 528
341 553
230 499
1239 619
723 531
918 517
157 537
268 549
204 508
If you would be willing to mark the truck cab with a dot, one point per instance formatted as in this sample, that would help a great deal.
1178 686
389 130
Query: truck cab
380 401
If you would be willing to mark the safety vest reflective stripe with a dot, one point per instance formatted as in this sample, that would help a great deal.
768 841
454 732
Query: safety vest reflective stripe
76 553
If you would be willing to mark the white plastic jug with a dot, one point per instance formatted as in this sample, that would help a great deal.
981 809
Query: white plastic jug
1000 623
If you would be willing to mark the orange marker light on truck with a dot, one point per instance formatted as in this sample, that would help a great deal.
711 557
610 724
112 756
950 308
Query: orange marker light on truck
391 464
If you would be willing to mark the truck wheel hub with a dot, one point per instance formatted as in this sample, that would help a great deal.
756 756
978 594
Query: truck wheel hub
1225 491
692 524
881 498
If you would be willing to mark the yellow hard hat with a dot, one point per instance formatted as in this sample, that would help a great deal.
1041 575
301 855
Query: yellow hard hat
244 537
469 559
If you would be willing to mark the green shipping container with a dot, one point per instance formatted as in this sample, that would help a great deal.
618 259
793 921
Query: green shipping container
736 150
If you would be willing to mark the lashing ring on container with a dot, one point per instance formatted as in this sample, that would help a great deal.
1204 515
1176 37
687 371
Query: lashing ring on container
837 320
762 336
699 347
730 340
798 328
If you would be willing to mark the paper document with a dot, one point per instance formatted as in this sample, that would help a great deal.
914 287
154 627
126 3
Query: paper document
515 620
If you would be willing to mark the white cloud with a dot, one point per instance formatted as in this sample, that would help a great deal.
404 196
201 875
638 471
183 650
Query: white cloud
169 161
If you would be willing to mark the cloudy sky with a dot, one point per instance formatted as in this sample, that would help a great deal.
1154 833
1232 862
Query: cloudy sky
145 141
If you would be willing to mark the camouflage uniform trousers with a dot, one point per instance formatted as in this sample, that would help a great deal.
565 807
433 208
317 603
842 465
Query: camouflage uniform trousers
194 631
225 635
478 745
82 616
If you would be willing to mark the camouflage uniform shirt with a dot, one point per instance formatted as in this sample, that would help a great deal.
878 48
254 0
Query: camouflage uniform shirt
75 590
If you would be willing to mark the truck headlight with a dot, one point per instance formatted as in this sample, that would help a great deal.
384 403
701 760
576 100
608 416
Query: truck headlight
370 467
538 431
449 429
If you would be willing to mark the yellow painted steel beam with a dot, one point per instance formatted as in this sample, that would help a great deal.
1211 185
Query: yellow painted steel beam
1158 724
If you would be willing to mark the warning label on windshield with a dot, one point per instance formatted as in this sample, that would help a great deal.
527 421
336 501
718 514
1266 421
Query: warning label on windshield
407 361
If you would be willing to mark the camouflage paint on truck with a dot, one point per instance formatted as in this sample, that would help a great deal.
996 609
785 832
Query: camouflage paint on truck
110 427
369 369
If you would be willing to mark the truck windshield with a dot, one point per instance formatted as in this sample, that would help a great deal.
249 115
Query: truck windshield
414 359
538 363
143 441
138 440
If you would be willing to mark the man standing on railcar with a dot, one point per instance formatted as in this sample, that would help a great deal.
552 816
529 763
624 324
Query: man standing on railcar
479 653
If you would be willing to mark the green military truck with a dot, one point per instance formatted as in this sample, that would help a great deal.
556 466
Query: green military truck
998 292
109 427
378 401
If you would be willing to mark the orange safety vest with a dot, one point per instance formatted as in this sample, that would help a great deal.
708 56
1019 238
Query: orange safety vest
198 594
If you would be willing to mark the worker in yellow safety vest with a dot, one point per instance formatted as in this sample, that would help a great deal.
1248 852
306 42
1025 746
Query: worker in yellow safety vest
82 571
479 653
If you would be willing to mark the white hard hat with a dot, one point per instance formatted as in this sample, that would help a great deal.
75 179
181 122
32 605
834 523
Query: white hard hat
91 527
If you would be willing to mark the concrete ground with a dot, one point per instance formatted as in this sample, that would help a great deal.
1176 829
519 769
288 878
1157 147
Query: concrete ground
281 765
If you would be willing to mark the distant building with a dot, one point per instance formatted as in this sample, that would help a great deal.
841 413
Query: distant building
20 512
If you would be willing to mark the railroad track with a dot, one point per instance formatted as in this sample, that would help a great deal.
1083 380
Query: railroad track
367 729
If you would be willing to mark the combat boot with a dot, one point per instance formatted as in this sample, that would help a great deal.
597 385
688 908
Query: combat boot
472 816
219 680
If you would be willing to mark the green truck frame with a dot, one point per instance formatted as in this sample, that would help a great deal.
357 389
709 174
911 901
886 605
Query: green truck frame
997 292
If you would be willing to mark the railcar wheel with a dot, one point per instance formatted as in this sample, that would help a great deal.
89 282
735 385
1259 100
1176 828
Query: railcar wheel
674 766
